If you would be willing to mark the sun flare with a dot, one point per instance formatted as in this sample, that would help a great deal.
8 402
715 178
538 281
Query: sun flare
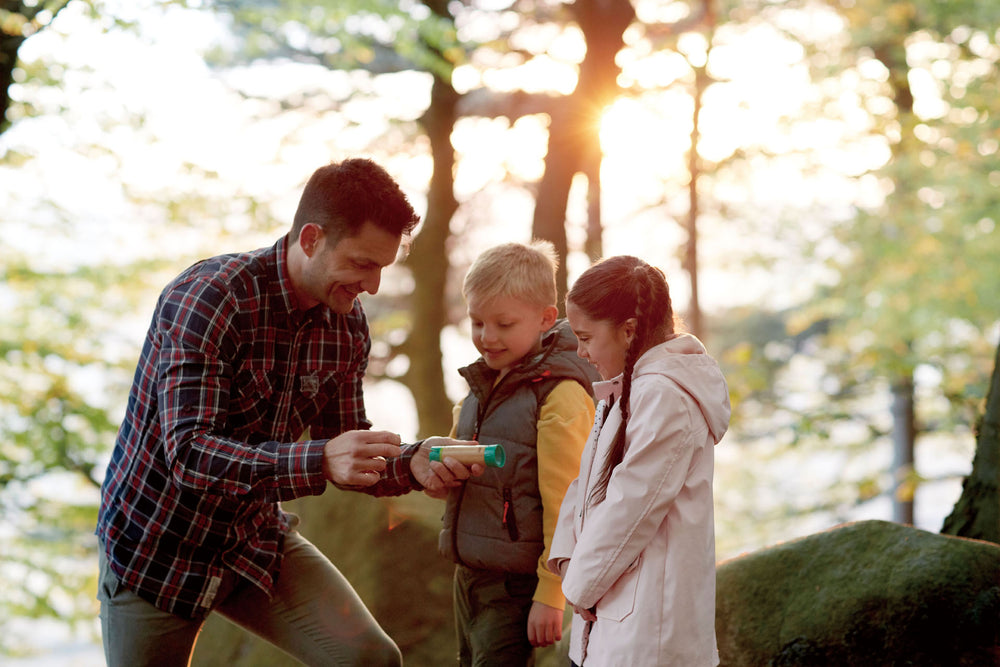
647 137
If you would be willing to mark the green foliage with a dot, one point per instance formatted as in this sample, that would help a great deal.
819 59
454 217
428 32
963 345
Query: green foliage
52 347
920 280
378 36
64 370
48 569
917 266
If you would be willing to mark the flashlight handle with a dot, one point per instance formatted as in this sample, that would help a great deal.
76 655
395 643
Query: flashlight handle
488 455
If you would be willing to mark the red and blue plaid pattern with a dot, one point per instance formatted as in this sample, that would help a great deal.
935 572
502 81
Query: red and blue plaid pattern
230 377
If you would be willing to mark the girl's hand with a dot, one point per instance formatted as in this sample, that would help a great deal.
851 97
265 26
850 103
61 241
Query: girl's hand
586 614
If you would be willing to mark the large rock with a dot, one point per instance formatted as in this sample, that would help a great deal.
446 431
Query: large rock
867 594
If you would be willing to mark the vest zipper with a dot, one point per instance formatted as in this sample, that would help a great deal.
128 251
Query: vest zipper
508 515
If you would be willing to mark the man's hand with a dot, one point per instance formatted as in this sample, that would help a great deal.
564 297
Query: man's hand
357 458
438 476
544 624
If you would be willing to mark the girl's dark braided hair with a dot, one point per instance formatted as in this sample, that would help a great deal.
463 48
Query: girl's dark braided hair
615 290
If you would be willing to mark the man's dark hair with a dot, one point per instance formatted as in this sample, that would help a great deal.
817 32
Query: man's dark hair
342 196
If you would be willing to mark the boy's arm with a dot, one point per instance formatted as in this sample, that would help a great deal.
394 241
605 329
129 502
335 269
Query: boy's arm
564 422
441 494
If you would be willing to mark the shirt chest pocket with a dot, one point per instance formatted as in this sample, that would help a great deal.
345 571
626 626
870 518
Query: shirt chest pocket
251 394
314 392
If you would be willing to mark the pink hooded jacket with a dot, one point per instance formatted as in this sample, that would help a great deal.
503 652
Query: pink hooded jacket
644 557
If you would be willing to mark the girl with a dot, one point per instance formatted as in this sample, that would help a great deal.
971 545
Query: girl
635 540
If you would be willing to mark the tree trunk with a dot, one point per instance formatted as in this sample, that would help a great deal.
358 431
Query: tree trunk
903 437
573 132
701 82
428 261
9 45
561 163
976 515
12 36
594 244
892 54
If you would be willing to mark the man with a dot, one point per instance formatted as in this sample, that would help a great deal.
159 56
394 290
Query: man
248 392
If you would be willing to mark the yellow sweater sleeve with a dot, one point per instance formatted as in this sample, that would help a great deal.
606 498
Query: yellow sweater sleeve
564 422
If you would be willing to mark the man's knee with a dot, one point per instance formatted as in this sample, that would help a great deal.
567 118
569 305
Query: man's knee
380 652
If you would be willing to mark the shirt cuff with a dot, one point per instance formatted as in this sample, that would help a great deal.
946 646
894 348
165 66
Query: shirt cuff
549 590
406 458
303 471
397 478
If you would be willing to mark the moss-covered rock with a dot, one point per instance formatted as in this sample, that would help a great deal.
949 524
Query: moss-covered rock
867 594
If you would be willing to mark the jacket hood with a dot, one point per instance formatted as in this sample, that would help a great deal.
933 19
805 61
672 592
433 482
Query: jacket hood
684 360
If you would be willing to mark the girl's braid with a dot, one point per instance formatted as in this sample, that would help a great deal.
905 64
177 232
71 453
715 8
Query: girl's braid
643 286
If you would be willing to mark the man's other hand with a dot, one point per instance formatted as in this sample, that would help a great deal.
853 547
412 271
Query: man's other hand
357 458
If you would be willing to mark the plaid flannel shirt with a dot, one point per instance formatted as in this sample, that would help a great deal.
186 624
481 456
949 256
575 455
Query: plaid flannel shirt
230 377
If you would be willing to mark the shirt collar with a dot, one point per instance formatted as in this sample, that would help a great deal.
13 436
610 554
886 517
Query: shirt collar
319 312
606 389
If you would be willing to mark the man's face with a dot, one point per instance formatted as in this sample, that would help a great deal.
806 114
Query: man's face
336 274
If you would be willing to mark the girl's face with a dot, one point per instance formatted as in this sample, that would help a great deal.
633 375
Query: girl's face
601 343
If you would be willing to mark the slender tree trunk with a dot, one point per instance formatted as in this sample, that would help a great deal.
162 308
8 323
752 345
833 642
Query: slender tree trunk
694 323
976 515
892 54
903 437
594 245
428 261
561 163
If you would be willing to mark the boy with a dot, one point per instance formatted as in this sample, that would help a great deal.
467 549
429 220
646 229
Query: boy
530 393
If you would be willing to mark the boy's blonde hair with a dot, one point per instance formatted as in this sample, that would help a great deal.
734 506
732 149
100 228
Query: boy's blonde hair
526 272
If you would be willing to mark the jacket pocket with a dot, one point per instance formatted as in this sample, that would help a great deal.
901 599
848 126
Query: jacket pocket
619 601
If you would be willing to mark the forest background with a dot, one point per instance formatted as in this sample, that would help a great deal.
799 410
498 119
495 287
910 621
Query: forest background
819 180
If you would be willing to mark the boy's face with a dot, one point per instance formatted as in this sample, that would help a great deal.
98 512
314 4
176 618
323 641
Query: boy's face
506 329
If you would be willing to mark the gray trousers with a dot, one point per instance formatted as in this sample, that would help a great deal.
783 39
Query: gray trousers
491 617
314 615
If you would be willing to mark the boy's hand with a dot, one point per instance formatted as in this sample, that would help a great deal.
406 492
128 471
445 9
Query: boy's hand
438 476
544 624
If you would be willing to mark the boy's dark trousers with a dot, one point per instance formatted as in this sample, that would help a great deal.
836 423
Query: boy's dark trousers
491 617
